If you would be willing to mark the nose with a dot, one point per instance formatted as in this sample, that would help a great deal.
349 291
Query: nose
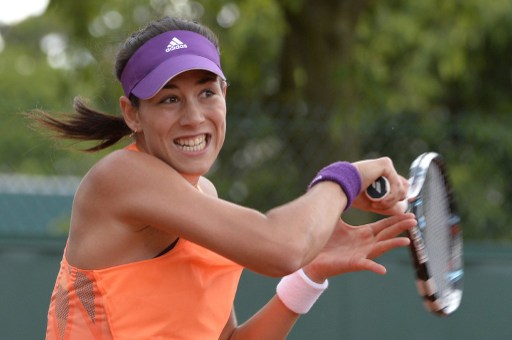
192 113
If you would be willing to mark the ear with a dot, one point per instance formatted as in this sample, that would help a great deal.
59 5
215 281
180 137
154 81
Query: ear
224 86
130 113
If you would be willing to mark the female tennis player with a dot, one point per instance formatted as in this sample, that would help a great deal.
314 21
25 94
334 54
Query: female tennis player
153 253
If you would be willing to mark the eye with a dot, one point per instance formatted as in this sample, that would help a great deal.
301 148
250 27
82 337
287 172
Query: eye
170 100
207 93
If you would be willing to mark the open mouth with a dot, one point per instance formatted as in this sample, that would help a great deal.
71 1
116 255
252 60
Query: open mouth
193 144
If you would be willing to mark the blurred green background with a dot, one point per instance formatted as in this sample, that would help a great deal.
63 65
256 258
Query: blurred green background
311 82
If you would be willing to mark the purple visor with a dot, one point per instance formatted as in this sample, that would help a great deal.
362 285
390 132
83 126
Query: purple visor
164 57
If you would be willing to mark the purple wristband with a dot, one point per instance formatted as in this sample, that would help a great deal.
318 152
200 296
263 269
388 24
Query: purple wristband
345 175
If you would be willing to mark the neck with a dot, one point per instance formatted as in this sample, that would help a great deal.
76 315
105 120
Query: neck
192 179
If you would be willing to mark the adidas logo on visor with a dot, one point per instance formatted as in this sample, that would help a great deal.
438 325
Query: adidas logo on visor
175 44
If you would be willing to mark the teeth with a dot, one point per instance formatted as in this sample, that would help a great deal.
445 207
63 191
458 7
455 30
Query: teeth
192 144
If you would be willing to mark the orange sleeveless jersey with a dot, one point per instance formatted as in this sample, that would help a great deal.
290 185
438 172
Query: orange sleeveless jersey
186 293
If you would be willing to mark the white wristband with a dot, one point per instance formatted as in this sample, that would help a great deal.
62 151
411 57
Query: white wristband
298 292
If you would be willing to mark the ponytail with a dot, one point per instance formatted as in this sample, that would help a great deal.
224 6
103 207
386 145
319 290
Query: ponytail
87 125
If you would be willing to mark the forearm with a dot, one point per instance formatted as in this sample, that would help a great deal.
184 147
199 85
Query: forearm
273 321
309 222
295 295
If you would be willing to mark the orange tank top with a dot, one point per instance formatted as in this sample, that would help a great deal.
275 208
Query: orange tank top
186 293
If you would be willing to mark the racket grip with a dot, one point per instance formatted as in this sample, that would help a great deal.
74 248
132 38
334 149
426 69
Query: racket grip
380 189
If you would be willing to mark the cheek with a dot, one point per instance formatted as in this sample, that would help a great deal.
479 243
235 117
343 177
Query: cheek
221 131
160 121
220 120
222 137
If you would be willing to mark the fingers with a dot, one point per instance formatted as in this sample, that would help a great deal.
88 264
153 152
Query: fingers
405 186
386 233
395 230
399 191
383 247
396 207
370 171
393 204
391 226
354 248
372 266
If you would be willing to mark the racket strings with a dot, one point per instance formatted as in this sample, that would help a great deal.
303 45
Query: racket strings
437 235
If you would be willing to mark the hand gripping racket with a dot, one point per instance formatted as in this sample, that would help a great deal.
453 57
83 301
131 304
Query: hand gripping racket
436 240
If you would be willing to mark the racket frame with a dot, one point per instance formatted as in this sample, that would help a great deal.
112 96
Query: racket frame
441 303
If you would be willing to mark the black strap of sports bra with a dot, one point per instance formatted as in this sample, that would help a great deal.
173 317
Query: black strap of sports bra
168 248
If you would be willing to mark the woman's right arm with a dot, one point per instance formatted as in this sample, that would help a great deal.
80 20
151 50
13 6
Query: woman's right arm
141 190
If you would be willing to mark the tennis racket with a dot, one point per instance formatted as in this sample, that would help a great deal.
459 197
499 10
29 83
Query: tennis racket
436 240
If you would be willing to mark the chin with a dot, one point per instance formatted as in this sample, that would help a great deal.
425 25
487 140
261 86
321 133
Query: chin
194 170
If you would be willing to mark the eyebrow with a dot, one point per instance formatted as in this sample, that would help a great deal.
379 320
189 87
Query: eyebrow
206 79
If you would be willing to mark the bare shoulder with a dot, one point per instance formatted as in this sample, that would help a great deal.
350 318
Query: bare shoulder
126 182
124 161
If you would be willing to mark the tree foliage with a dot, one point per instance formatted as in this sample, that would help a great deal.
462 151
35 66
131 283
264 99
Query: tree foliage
310 82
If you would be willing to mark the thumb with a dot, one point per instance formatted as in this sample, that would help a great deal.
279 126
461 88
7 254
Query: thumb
399 208
375 267
372 266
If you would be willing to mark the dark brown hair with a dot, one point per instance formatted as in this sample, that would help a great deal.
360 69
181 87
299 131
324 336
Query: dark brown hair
91 125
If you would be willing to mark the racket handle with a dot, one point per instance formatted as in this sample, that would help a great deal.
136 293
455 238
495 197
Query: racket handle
380 189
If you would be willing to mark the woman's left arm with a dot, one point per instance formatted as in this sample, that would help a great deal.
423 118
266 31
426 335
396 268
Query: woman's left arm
349 249
273 321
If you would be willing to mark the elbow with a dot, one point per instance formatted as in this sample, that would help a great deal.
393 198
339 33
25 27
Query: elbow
284 260
287 249
286 269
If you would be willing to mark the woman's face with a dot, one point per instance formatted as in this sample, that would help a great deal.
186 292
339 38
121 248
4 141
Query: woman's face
184 124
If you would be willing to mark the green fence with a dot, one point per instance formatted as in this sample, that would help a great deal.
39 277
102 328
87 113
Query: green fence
366 306
356 306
